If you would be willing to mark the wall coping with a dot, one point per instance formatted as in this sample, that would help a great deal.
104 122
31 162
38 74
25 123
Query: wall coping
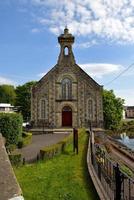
9 186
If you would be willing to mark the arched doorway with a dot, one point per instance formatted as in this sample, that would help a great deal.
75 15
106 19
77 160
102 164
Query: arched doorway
66 116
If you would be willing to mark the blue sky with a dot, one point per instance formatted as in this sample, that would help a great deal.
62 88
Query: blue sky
104 40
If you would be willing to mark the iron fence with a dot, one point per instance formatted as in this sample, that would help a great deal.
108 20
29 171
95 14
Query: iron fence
116 183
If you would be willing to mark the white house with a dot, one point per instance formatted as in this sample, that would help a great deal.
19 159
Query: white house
6 108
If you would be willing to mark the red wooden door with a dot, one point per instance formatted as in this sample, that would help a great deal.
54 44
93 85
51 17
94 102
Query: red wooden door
66 116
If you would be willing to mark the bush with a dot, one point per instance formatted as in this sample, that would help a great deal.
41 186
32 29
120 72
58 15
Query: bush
20 144
51 151
15 159
27 138
10 147
11 127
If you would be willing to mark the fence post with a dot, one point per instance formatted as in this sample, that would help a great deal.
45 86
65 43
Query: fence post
117 183
75 140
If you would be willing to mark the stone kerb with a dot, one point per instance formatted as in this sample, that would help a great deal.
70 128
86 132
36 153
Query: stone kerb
9 187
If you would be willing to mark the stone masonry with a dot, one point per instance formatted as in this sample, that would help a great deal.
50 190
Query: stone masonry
83 96
9 187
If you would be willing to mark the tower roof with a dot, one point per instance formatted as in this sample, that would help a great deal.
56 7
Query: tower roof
66 37
66 54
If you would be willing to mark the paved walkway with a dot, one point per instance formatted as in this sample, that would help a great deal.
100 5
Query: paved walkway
31 151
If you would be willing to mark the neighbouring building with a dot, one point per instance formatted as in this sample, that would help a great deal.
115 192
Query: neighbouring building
66 96
129 111
6 108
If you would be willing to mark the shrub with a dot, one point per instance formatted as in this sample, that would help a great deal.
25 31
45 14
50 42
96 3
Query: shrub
10 147
15 159
11 127
20 144
49 152
27 138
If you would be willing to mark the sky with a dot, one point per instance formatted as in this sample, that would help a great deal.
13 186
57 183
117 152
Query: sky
104 40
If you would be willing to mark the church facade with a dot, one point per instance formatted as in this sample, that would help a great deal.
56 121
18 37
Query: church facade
66 96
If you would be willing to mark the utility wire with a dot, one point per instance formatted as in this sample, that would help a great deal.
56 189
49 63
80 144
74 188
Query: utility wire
120 74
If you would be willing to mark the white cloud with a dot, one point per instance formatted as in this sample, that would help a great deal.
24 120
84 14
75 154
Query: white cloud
99 70
35 30
113 20
4 80
86 44
127 95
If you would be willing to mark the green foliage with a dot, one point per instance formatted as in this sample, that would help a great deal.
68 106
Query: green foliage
7 94
27 138
11 127
15 159
61 178
20 144
51 151
113 109
127 170
23 99
128 127
11 147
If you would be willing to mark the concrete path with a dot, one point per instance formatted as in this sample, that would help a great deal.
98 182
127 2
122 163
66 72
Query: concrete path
31 151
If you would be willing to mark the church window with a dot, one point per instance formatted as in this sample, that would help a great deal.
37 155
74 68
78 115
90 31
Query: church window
66 88
90 109
66 51
43 109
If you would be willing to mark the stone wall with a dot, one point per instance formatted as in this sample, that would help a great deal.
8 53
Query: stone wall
84 89
9 187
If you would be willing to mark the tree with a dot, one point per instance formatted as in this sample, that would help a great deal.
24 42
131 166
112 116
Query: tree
7 94
112 110
23 99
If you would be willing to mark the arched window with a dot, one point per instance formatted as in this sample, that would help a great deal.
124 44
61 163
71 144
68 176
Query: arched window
66 51
43 109
90 109
66 88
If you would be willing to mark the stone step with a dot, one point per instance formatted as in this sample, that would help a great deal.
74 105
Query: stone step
46 131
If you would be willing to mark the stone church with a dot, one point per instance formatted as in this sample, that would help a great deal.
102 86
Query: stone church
66 96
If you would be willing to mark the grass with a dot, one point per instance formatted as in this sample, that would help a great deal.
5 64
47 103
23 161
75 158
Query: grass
65 177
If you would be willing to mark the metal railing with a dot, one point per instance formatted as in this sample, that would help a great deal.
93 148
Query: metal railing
116 183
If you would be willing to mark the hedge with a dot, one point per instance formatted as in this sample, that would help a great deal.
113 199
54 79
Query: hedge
15 159
55 149
51 151
25 140
11 127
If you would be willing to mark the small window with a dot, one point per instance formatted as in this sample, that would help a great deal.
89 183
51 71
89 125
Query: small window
66 51
90 109
43 109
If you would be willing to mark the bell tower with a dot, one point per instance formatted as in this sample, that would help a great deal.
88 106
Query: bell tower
66 54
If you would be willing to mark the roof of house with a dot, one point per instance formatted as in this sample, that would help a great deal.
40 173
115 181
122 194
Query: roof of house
6 105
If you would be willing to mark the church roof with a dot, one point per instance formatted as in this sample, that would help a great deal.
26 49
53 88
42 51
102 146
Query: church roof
66 40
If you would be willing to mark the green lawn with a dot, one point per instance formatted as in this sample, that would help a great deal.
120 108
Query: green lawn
64 177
